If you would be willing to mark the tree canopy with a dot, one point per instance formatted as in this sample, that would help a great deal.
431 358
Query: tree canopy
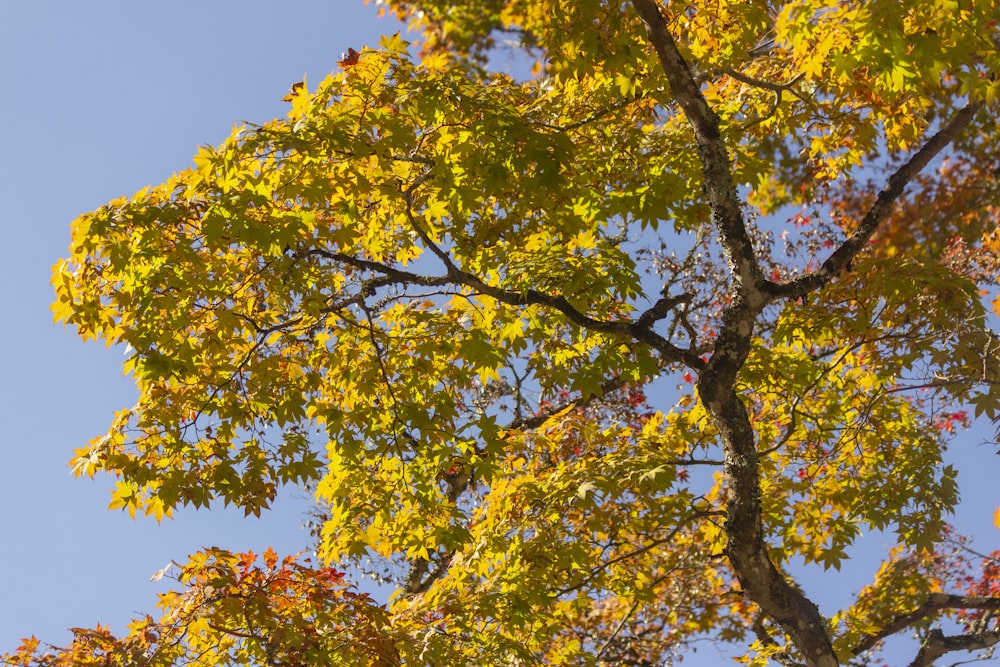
587 362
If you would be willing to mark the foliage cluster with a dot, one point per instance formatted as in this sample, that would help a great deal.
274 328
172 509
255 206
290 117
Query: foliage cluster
585 363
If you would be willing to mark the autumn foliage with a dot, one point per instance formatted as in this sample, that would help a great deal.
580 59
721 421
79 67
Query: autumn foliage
584 363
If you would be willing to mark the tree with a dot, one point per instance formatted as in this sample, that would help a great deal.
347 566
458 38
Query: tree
586 363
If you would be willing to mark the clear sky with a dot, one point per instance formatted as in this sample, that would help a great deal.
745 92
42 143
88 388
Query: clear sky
97 100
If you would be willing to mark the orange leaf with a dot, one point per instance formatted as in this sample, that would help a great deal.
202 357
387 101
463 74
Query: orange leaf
350 59
293 91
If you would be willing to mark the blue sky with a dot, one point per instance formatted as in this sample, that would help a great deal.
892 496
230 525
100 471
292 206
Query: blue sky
99 100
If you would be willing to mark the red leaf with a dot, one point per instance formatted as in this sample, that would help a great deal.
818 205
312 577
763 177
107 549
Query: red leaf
350 59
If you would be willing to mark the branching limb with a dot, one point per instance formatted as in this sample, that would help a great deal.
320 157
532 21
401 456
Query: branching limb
935 602
640 331
777 89
760 83
617 631
746 547
613 637
719 185
592 118
536 420
937 644
661 308
682 524
760 630
423 573
390 275
879 211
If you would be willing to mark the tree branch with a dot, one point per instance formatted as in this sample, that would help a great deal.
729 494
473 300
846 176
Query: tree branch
661 308
879 211
760 83
719 185
935 602
669 537
536 420
746 547
640 330
421 575
767 640
392 276
937 644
